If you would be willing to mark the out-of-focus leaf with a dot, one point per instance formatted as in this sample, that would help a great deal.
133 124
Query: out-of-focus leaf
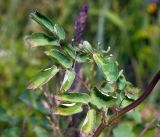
123 130
59 31
89 122
114 18
135 115
41 132
25 98
43 77
151 133
34 121
75 97
3 115
64 60
68 80
101 100
43 21
38 106
145 33
126 102
41 39
33 100
11 132
108 67
15 120
68 109
29 97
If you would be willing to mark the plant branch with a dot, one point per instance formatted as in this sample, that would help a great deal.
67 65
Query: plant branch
149 125
137 102
99 129
53 122
145 94
83 83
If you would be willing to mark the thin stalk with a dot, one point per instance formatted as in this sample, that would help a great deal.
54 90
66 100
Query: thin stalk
83 83
149 125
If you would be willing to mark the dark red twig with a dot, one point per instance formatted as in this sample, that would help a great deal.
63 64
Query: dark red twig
149 125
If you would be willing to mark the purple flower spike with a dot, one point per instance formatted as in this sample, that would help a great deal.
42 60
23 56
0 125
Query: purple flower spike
155 1
80 23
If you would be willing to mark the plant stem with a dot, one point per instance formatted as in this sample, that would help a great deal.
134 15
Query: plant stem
99 130
145 94
83 83
120 113
149 125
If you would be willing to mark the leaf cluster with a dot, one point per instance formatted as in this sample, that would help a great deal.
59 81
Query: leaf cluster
107 94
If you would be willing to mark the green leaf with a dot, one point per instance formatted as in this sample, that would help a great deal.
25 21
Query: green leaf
87 46
150 133
59 31
68 80
41 39
64 60
70 51
89 122
43 21
38 106
135 115
3 115
75 97
33 100
43 77
125 102
101 100
121 82
108 67
41 132
25 97
123 130
11 132
81 58
68 109
109 89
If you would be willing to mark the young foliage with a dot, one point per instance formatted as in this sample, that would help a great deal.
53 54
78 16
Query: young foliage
68 109
89 122
62 59
43 21
59 31
75 97
43 77
41 39
68 80
108 67
112 92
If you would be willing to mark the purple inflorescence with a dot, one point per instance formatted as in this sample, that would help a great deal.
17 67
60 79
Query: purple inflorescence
80 23
155 1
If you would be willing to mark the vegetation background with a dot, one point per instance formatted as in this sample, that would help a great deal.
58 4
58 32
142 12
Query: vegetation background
130 27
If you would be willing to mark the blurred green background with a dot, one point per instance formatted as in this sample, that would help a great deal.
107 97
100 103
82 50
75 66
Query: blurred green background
130 27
